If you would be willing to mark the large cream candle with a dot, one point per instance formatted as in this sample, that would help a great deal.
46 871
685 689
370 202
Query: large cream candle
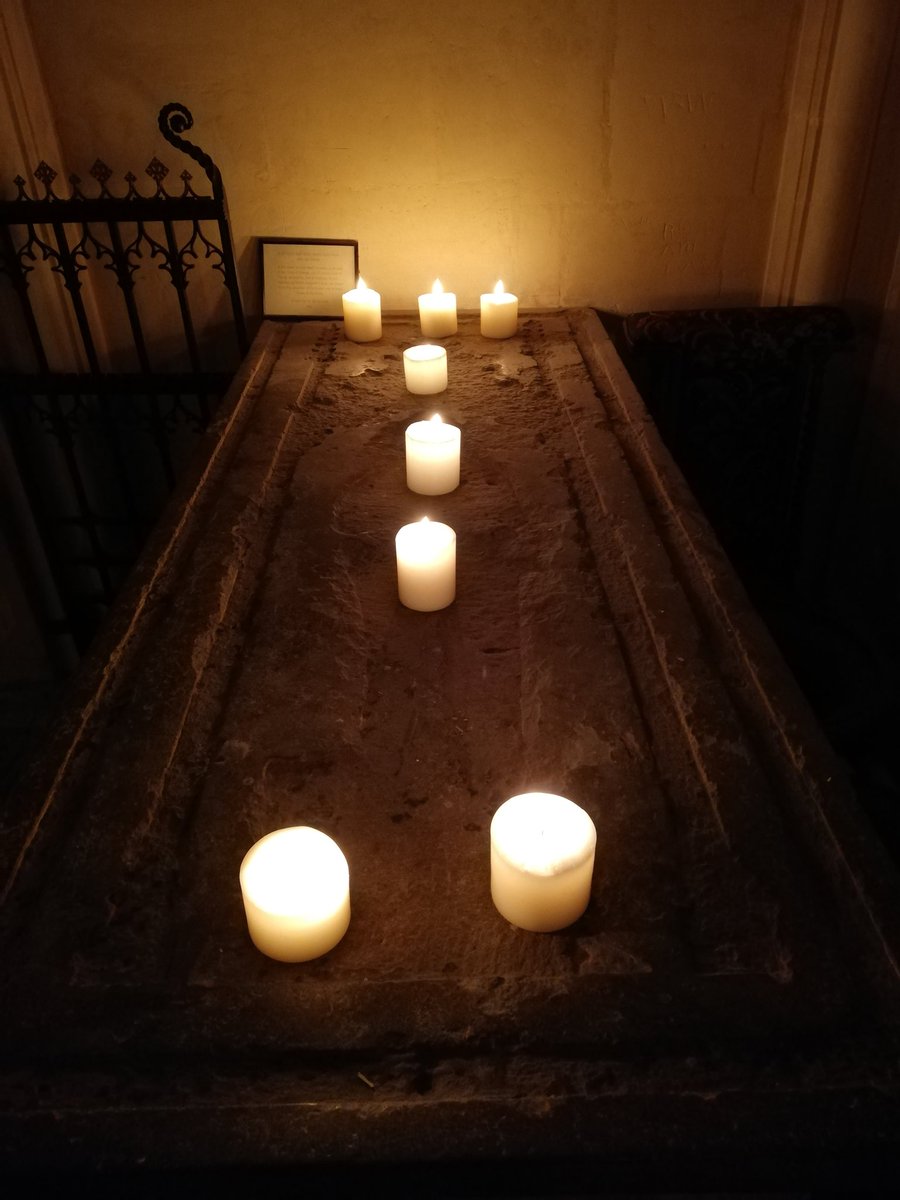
542 860
362 313
437 312
296 888
499 313
432 457
426 565
425 370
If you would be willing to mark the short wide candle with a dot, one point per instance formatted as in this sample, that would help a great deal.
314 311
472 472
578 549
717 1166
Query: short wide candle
499 313
362 313
437 312
296 888
542 860
432 457
426 565
425 370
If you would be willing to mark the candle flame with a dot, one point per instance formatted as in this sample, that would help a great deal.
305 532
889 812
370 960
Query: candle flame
436 419
297 871
437 288
360 282
424 521
499 289
544 833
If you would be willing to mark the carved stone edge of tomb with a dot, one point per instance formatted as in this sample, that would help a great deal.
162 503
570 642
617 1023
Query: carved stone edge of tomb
814 781
63 758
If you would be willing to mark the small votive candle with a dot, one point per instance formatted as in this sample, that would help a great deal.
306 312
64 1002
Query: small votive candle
426 565
437 312
296 888
362 313
432 457
425 370
499 313
542 860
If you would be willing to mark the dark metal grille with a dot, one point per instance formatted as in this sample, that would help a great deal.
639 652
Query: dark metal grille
100 426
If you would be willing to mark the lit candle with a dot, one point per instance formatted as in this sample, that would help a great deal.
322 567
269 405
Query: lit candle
499 313
542 859
426 565
362 313
432 457
296 888
425 370
437 312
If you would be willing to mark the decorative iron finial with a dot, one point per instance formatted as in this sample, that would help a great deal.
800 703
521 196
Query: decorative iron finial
101 172
173 120
45 175
157 171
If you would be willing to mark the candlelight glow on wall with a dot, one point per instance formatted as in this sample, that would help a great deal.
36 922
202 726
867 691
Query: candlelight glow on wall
625 213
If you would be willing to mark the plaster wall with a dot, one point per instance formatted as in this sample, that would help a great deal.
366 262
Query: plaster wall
850 229
619 153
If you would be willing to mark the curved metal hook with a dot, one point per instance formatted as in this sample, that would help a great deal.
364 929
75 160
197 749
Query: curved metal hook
173 120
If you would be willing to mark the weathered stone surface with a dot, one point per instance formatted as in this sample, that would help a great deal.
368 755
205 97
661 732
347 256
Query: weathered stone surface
732 989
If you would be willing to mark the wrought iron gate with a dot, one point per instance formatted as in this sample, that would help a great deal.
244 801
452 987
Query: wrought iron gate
97 448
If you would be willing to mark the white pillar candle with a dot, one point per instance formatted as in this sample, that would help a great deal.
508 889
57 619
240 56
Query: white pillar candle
499 313
426 565
542 860
425 370
432 457
437 312
296 888
362 313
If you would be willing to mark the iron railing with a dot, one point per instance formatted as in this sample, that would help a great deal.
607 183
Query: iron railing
99 428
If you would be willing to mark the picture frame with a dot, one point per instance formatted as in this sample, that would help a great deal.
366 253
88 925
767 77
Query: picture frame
306 277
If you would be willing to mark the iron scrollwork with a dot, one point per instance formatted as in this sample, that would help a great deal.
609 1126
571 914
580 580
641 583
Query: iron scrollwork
174 120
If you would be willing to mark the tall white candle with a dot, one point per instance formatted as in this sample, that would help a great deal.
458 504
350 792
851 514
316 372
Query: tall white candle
296 888
425 370
432 457
426 565
437 312
499 313
362 313
542 860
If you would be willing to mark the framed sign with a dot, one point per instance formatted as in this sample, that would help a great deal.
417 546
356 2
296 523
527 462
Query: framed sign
306 277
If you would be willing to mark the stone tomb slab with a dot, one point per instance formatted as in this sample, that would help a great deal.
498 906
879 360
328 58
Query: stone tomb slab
731 989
